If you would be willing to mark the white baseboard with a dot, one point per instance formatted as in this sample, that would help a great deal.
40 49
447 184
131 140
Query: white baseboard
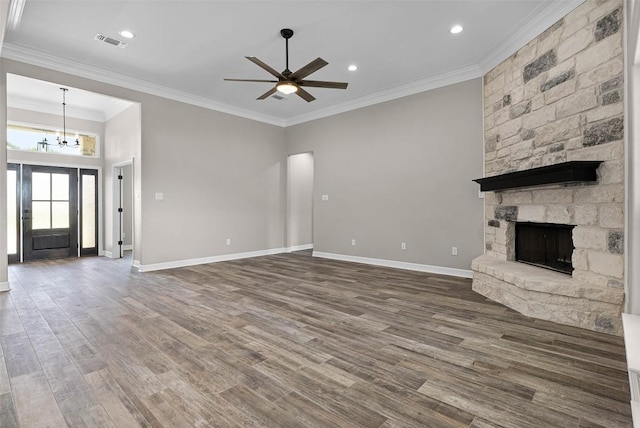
127 247
5 286
300 248
136 264
107 254
212 259
463 273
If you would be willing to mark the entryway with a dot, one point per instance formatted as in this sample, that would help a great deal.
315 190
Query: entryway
52 212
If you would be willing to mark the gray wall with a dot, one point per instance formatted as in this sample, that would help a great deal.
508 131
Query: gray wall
300 199
397 172
122 144
222 176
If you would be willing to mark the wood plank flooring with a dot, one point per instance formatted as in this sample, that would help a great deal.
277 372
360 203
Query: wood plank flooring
290 341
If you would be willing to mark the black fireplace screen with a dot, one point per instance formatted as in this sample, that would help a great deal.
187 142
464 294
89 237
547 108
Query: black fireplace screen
545 245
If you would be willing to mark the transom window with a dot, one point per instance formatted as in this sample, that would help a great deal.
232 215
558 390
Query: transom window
46 140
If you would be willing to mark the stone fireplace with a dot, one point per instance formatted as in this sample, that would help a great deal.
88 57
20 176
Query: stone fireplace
558 100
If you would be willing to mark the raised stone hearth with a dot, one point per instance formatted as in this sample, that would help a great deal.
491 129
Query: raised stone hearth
552 296
557 100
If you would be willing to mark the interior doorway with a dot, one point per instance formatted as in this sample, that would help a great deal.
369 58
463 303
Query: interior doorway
300 201
123 215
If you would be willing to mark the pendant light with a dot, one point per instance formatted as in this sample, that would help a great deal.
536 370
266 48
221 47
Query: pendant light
63 142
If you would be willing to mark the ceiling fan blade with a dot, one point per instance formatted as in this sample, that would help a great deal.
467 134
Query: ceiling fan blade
305 95
251 80
312 67
320 84
267 94
264 66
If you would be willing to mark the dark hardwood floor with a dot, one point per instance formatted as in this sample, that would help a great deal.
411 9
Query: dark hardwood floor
290 341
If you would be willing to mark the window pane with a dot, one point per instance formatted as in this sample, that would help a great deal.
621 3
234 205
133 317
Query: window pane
60 215
41 186
40 215
88 211
37 139
59 187
12 231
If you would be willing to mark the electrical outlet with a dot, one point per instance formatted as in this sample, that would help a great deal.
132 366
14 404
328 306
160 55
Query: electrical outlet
325 197
403 246
228 241
353 242
454 251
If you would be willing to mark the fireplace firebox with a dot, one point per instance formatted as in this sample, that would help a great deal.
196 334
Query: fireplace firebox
545 245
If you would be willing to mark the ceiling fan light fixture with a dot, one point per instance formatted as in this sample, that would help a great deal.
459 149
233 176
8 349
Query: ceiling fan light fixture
287 87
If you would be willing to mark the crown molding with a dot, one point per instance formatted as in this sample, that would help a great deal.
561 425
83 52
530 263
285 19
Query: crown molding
41 59
537 22
412 88
31 105
531 27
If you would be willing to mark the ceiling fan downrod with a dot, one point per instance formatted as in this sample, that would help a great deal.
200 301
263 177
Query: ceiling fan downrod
287 33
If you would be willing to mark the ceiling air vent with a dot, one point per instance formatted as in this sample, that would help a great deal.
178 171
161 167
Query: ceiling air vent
102 38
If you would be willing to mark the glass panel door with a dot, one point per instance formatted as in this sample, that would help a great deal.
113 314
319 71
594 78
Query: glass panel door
50 206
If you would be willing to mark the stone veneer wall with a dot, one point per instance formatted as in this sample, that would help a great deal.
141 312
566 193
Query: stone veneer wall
558 99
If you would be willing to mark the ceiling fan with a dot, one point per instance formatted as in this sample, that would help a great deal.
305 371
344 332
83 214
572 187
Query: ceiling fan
289 82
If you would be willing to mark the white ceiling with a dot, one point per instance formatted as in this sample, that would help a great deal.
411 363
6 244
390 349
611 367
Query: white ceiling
184 49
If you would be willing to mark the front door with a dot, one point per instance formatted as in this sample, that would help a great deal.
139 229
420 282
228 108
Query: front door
49 212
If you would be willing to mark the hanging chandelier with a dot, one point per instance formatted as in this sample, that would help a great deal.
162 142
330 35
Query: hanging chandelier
62 141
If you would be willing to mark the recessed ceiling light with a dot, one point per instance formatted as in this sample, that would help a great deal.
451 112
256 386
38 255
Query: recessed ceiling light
127 34
352 67
456 29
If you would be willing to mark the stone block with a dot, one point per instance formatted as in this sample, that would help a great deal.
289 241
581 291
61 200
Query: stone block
597 194
615 241
495 85
493 223
605 112
611 172
539 117
559 130
501 116
611 216
612 283
575 43
585 215
609 151
592 238
559 92
611 84
599 53
520 109
517 197
604 131
556 147
508 213
558 214
521 150
540 64
527 134
537 102
608 25
611 97
504 152
590 278
579 259
606 264
602 73
553 196
524 55
533 213
510 128
583 100
493 198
